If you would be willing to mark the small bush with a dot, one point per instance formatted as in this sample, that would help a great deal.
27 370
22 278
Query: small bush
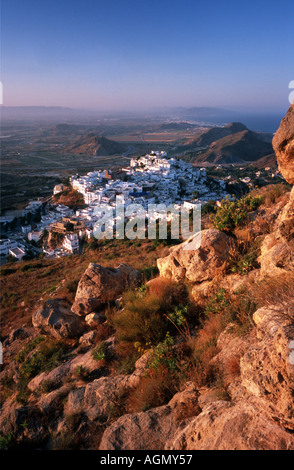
274 193
234 213
144 318
100 352
7 442
149 272
38 356
244 259
154 390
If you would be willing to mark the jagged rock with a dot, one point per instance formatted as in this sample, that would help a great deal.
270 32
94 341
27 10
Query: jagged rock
51 402
99 285
261 413
245 425
266 370
55 318
285 221
276 257
283 144
88 339
24 421
151 429
200 264
94 319
57 377
88 363
18 333
97 398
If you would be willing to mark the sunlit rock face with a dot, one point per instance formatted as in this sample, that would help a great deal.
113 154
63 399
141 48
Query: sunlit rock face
283 144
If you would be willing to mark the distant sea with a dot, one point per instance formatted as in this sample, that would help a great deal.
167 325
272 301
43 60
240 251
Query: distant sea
262 122
255 122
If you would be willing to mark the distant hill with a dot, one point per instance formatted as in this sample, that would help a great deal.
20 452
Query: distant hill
233 143
267 161
91 144
216 133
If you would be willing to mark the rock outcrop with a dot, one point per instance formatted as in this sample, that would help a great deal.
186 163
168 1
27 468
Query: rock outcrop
246 425
99 286
54 317
260 415
283 144
151 429
200 264
277 255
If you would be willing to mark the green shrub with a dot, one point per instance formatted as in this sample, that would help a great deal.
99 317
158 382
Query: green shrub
100 351
162 355
145 317
247 262
234 213
149 272
7 441
38 356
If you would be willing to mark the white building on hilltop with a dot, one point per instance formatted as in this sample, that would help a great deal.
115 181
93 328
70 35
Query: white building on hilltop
71 243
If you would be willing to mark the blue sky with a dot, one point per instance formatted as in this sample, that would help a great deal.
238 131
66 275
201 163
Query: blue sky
126 54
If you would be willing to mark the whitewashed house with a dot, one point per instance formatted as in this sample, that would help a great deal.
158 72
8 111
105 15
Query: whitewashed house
71 243
58 189
6 245
17 252
35 235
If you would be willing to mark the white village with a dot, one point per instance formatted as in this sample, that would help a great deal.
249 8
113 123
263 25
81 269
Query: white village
150 179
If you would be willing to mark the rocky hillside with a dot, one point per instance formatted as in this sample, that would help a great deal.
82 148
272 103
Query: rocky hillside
233 143
199 357
283 144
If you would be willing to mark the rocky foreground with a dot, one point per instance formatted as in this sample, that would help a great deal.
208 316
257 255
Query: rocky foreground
243 398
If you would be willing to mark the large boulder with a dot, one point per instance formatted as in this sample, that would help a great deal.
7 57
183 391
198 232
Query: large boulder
99 286
266 368
246 425
283 144
54 317
98 398
277 256
285 221
200 264
151 429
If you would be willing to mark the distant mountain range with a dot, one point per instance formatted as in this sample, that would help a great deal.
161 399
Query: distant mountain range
233 143
92 144
266 121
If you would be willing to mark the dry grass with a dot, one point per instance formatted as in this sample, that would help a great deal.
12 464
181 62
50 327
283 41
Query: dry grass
154 390
22 284
144 318
276 291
